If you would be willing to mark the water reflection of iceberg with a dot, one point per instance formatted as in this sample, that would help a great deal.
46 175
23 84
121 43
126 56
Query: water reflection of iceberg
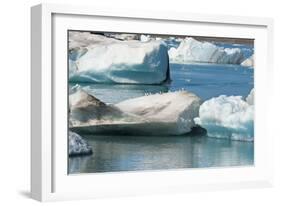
114 93
76 164
144 153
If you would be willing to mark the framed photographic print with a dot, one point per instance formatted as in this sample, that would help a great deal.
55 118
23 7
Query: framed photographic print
136 102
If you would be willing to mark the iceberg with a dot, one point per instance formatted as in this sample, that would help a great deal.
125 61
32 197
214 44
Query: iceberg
227 117
145 38
100 59
191 50
158 114
77 145
174 109
248 62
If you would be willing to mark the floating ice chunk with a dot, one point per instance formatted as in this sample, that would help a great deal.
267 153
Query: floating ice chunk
176 110
248 62
227 117
108 60
191 50
250 98
159 114
145 38
77 145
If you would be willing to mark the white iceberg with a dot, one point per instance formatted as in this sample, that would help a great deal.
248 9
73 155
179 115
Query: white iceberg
145 38
174 109
77 145
99 59
248 62
191 50
227 117
159 114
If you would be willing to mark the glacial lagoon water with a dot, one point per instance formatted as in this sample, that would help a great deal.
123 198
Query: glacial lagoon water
132 153
205 80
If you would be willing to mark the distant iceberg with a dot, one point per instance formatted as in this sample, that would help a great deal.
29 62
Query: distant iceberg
99 59
191 50
123 37
228 117
145 38
77 145
159 114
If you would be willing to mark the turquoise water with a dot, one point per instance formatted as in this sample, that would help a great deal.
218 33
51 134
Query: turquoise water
212 80
132 153
205 80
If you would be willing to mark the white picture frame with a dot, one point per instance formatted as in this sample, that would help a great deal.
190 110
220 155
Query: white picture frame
49 178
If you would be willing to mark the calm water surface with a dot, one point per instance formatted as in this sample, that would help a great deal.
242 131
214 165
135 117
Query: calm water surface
129 153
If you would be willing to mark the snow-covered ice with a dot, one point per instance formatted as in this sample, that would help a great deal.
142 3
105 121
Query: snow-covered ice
227 117
159 114
77 145
177 109
99 59
191 50
145 38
